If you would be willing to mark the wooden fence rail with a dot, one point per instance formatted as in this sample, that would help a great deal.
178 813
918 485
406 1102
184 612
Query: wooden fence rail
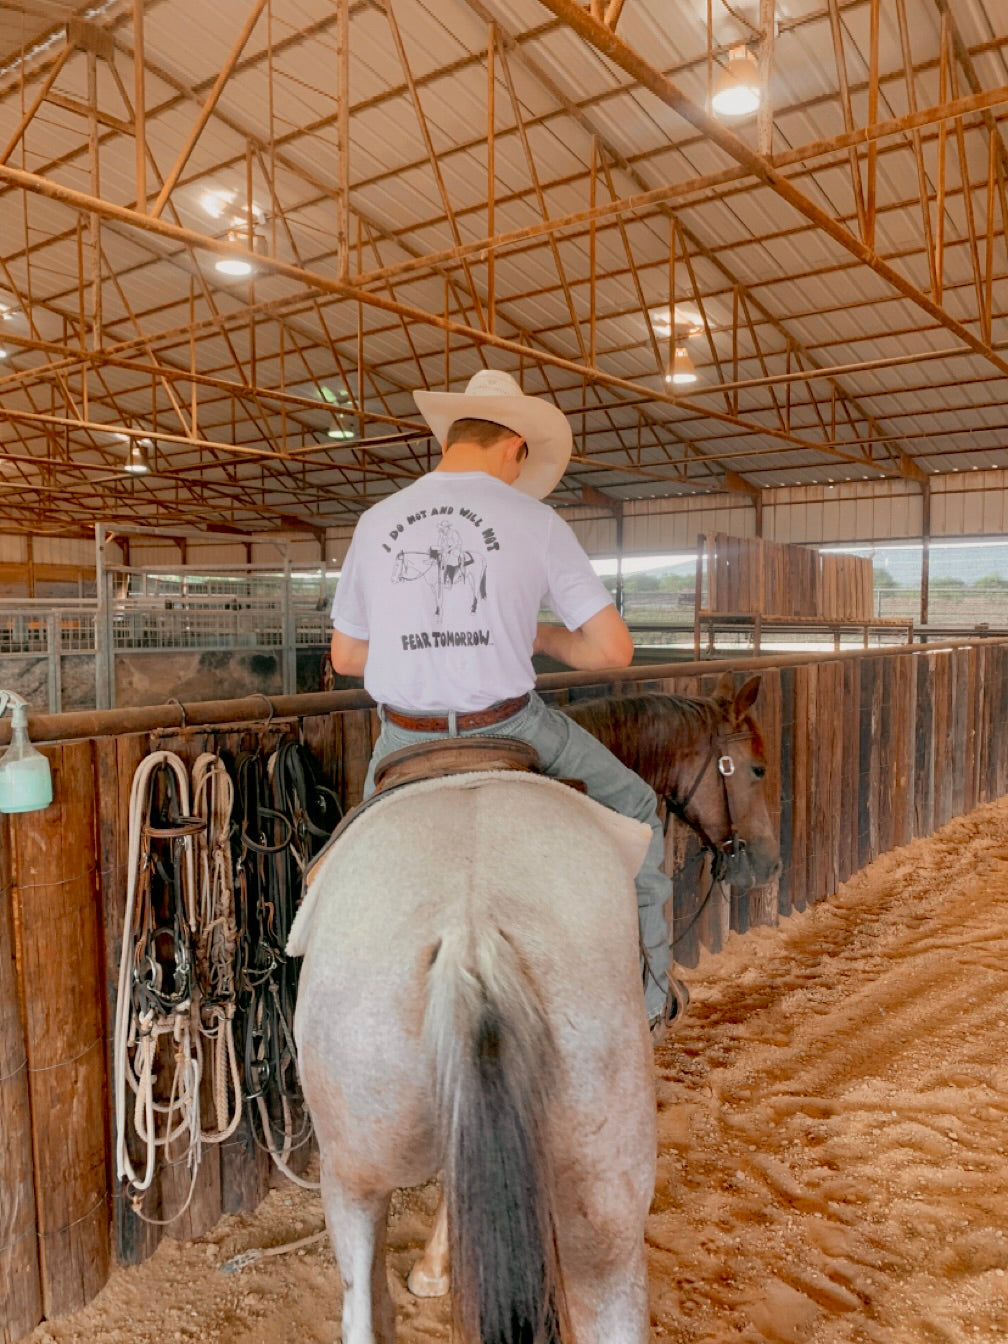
866 751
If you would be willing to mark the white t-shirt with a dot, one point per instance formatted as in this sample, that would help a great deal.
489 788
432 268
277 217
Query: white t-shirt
445 580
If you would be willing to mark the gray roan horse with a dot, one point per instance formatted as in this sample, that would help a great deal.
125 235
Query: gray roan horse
470 1001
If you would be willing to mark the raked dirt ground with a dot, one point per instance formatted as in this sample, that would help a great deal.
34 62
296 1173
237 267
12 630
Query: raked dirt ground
833 1126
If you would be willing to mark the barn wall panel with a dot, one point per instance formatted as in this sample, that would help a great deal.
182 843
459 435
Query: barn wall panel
213 554
337 543
155 554
992 514
302 551
598 535
64 551
962 504
949 515
854 511
13 550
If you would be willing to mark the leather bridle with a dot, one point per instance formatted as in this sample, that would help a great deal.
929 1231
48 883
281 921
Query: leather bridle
732 848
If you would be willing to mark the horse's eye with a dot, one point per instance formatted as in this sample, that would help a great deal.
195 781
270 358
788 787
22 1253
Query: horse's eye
759 771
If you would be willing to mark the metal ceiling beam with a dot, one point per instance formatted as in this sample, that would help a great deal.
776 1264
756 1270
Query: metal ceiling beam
508 41
905 465
522 348
632 63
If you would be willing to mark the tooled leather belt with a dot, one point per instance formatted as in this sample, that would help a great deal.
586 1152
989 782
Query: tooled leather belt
464 723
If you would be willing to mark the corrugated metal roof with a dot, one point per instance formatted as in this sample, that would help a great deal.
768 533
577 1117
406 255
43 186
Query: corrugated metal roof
815 354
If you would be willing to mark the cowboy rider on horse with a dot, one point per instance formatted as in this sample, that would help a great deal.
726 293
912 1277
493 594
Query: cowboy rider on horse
503 452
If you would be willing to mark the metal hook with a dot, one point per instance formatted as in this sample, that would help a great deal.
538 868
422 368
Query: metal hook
182 711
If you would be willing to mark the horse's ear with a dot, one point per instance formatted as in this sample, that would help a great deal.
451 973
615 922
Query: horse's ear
724 691
746 697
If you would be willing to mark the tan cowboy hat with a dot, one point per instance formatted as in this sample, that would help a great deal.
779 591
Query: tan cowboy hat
492 394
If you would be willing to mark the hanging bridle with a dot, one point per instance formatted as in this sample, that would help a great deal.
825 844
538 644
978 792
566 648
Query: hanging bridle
733 846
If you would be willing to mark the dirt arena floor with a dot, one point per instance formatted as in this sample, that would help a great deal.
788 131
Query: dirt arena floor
833 1120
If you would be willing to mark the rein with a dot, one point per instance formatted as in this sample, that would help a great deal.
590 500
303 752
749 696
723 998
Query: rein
287 815
217 940
732 846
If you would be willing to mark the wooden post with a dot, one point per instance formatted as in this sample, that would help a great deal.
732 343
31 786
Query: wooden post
60 965
20 1294
698 595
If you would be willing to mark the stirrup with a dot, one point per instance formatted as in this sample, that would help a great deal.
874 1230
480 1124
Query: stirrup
671 1016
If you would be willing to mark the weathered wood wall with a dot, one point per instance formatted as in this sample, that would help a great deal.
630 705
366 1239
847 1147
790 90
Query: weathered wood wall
20 1295
750 576
866 751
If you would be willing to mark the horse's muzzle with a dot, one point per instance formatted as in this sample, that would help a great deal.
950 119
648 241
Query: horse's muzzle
752 865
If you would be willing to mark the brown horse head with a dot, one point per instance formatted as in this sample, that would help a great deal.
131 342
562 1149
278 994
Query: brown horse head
705 756
727 802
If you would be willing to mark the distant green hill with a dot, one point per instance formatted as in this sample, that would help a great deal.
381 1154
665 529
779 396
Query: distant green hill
968 562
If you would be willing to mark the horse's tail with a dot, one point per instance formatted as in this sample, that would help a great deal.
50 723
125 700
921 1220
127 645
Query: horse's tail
494 1061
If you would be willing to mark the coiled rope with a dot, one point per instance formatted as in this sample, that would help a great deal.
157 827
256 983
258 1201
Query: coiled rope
203 972
149 1009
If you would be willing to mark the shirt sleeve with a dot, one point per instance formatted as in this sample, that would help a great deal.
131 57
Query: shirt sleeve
349 608
575 592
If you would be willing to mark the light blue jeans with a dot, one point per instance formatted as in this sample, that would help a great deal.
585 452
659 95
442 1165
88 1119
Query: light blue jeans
567 751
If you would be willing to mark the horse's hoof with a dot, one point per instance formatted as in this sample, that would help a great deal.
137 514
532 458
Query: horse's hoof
422 1284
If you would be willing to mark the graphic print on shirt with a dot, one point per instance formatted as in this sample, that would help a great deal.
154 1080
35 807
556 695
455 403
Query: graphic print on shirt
451 570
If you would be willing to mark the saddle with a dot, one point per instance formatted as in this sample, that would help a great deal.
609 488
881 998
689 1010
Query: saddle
453 756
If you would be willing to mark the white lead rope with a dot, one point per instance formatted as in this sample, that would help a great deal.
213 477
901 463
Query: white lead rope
141 1031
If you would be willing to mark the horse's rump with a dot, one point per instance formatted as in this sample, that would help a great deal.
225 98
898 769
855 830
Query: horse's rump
470 1000
419 821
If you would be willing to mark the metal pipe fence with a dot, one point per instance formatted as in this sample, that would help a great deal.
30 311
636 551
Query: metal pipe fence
62 655
43 644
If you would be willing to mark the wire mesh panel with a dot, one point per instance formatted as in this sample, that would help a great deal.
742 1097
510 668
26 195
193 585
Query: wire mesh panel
24 632
54 651
241 609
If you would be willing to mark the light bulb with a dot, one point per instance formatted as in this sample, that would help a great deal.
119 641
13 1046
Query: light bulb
737 90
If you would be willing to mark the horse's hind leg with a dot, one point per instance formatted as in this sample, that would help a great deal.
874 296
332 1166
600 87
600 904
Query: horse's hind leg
611 1305
605 1280
604 1192
357 1231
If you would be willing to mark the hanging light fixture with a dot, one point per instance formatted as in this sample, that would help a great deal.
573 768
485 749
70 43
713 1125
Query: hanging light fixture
235 265
683 369
737 87
136 460
25 777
